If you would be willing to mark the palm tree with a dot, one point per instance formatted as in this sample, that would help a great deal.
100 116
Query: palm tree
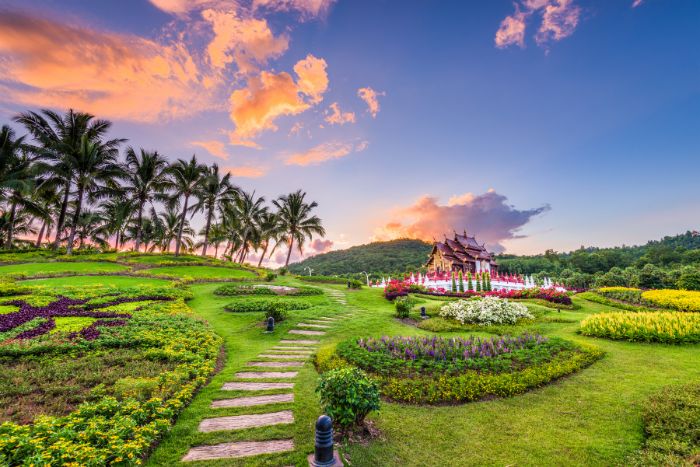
96 168
91 226
47 197
117 213
248 210
296 220
60 138
214 192
217 236
169 221
186 177
269 230
146 181
16 179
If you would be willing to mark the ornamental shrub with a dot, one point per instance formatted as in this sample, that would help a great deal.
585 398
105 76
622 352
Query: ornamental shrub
667 327
470 284
268 290
348 395
461 282
486 311
277 314
354 284
478 283
403 306
454 283
682 300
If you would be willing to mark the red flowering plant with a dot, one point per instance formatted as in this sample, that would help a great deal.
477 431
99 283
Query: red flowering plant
395 288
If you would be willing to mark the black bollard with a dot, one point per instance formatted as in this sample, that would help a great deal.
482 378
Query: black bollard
323 451
422 312
270 324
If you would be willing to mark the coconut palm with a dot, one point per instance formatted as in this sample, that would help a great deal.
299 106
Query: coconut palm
186 177
17 176
269 230
248 210
296 221
170 227
59 139
96 169
91 226
117 212
146 181
214 192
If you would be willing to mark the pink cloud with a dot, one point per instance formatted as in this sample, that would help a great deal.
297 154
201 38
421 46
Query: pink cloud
370 96
213 147
245 171
324 152
335 116
559 19
512 30
488 216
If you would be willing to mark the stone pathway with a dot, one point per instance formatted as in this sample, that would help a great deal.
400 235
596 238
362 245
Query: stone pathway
280 362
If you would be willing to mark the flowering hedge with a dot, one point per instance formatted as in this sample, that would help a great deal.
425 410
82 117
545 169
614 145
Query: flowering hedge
682 300
438 370
114 429
667 327
486 311
625 294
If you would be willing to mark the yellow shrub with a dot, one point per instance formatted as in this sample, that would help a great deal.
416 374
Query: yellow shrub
617 289
669 327
683 300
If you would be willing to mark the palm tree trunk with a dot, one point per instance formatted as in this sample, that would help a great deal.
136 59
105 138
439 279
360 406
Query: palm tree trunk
62 216
11 226
137 242
76 216
41 235
178 241
216 250
267 243
48 233
289 253
206 231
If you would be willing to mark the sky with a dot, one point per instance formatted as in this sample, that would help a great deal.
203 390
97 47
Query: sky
533 124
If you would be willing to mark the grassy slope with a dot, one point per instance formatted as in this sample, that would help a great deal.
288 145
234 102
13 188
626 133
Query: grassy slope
115 281
34 269
200 272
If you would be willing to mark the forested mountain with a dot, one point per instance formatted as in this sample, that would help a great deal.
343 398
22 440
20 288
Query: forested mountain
391 257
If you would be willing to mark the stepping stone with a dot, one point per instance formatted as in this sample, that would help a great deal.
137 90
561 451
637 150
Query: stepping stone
305 332
275 364
285 357
309 325
252 401
236 386
240 449
239 422
266 374
299 342
294 349
287 351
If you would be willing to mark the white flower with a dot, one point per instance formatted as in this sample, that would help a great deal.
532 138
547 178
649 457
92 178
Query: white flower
485 311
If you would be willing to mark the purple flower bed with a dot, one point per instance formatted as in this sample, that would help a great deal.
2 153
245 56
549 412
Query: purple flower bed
438 348
63 307
91 332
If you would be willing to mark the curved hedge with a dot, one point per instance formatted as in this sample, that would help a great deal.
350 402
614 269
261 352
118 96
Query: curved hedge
230 290
446 382
262 304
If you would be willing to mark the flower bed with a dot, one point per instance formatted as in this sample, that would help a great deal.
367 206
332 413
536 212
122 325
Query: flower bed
682 300
262 304
597 298
438 370
486 311
141 368
400 289
666 327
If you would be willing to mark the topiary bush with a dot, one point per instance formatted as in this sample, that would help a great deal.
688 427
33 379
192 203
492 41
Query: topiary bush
348 395
268 290
403 306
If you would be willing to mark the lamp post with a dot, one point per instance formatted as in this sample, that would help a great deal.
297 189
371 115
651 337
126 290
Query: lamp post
366 276
309 269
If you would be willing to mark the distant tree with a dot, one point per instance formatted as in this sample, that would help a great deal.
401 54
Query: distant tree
186 177
296 220
689 280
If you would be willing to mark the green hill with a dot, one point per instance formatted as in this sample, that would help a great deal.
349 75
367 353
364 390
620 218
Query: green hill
391 257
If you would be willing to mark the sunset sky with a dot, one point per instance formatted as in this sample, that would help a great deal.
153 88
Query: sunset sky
534 124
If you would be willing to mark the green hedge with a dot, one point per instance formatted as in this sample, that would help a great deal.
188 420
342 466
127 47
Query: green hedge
235 290
261 304
324 279
596 298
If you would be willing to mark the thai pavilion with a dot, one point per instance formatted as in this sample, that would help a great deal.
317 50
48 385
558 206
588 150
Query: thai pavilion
463 253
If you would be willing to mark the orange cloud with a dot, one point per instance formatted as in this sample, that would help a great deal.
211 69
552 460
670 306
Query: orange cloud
248 42
324 152
182 7
370 96
245 171
213 147
488 215
47 64
269 96
559 20
335 116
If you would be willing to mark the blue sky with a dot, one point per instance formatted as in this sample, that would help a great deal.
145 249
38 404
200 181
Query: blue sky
584 127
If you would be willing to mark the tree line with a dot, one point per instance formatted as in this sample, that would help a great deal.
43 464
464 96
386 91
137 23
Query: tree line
66 178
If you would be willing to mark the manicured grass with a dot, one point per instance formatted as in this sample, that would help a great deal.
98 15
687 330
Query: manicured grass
200 272
57 268
112 281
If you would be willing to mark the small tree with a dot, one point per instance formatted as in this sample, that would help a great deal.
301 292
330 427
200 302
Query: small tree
454 283
461 282
470 284
348 395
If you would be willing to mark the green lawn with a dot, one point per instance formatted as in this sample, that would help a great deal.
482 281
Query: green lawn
111 281
57 268
200 272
